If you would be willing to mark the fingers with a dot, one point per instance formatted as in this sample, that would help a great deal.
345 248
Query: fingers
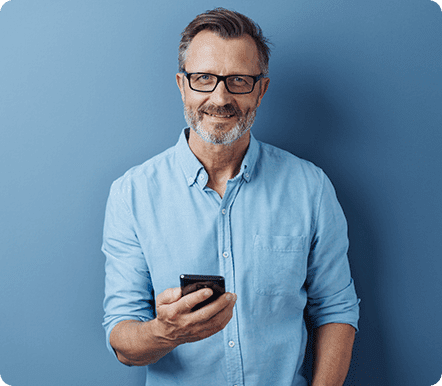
180 325
222 311
170 295
226 300
186 303
189 301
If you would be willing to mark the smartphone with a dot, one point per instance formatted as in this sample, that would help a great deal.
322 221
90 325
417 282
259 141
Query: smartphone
192 283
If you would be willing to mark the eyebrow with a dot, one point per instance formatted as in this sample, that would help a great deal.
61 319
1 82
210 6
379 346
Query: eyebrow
214 73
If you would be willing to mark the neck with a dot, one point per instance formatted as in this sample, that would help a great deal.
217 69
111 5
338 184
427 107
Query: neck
221 162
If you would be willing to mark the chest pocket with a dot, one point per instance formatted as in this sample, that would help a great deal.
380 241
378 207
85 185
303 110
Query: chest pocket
279 264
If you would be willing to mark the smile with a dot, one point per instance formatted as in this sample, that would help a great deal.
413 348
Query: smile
219 116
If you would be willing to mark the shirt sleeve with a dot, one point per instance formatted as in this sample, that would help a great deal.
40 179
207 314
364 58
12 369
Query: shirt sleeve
331 295
128 287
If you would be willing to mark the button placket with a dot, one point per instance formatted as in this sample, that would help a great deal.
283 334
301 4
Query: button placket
232 346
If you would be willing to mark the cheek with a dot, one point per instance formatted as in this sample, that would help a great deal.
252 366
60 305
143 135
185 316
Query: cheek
193 103
247 108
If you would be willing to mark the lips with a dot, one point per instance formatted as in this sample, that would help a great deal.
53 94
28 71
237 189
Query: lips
218 116
227 111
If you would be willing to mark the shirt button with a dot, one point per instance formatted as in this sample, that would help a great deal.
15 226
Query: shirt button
247 175
223 211
226 254
231 343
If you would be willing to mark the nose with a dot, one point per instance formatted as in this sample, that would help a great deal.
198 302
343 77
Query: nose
220 96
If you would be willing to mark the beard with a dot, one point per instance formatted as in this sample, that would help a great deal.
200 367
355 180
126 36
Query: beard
218 135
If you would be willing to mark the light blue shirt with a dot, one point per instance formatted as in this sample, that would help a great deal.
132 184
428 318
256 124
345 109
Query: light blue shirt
278 236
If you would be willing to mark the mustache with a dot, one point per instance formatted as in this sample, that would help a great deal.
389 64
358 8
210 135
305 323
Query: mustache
228 109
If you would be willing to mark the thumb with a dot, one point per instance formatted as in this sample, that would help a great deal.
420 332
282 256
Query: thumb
168 296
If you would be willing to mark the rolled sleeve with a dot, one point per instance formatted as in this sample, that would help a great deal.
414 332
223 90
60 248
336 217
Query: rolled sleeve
342 307
331 295
128 287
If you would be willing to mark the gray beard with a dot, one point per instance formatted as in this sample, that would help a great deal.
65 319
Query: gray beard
219 137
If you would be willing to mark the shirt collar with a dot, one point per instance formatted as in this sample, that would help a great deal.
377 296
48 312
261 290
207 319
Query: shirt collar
192 166
249 161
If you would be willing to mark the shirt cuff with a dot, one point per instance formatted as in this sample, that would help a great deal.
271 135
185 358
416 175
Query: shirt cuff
341 307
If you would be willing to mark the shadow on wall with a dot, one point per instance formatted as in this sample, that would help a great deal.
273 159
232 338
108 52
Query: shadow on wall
316 123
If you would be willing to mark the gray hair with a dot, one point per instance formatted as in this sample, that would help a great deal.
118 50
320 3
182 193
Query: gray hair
226 24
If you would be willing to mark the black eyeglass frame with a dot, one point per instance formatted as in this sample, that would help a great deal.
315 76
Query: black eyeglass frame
221 78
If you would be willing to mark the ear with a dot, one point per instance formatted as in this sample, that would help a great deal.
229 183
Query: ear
264 86
180 83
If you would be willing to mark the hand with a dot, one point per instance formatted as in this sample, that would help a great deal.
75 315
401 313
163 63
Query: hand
177 324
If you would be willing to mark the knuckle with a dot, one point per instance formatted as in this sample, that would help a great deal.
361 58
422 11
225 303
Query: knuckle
161 298
168 292
187 303
225 322
203 314
217 322
172 313
167 313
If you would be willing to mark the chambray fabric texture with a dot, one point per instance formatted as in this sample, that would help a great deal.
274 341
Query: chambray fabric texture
278 236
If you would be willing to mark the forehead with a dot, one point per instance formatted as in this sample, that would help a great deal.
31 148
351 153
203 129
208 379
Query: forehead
210 53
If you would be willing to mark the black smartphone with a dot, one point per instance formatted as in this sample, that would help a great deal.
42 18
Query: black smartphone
192 283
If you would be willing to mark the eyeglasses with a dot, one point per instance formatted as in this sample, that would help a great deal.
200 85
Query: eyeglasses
235 84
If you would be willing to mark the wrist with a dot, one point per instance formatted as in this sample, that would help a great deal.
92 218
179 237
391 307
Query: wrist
155 330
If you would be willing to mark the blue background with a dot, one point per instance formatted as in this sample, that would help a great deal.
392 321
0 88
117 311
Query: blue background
87 90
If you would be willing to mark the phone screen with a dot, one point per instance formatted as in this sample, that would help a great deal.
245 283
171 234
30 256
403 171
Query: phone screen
192 283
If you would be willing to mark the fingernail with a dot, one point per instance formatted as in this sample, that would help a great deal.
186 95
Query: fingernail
229 297
207 292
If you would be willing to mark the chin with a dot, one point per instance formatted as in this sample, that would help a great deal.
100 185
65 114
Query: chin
219 135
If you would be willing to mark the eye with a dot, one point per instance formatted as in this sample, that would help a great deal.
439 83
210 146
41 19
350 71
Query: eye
204 79
241 81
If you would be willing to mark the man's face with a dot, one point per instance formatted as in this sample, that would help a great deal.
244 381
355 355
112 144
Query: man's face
220 117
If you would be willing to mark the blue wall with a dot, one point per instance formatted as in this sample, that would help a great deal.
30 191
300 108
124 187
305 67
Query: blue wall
87 90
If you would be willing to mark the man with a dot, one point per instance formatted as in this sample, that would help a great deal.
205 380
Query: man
222 203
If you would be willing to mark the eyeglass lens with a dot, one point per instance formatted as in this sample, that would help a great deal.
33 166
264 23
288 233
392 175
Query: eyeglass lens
234 83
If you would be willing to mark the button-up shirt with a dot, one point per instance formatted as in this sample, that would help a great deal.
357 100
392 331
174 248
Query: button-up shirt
278 236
